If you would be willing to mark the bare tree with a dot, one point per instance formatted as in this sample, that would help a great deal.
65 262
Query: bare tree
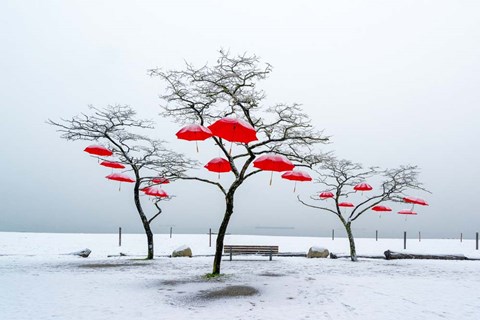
118 127
229 88
340 177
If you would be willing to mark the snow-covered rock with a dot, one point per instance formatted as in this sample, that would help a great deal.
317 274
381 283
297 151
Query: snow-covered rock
183 251
82 253
318 252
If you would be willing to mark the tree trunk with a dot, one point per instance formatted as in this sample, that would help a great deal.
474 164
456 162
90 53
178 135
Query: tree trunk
146 225
221 233
353 253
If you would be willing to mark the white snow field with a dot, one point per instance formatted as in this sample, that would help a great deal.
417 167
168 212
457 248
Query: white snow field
37 281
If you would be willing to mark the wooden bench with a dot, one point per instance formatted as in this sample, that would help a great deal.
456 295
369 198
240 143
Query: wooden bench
244 249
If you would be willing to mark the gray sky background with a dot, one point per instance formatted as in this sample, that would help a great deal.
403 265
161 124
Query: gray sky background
393 82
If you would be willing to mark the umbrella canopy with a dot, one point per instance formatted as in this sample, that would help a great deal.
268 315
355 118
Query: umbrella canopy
326 195
381 208
155 192
362 187
114 165
406 211
297 176
233 130
218 165
120 177
273 162
346 204
160 180
194 132
98 151
415 201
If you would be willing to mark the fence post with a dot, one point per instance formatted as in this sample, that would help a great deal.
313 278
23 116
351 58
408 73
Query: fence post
376 235
405 240
120 236
171 232
419 236
461 237
333 234
477 241
210 237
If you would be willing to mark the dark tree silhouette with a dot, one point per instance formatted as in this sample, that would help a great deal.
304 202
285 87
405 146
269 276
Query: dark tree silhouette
340 177
229 88
117 127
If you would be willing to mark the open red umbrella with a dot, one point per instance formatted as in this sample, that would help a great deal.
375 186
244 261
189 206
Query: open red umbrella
296 176
114 165
155 192
218 165
273 162
415 201
233 130
120 177
194 132
406 211
346 204
362 187
326 195
381 208
160 180
98 150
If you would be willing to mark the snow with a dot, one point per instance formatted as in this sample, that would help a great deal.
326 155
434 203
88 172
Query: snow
38 281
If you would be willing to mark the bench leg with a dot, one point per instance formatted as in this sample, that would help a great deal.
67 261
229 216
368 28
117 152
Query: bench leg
270 254
230 254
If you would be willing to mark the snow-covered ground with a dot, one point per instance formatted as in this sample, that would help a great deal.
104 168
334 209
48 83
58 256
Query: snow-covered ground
37 281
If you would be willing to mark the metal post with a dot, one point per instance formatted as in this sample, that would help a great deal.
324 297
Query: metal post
405 240
120 236
419 236
376 235
461 237
171 232
477 241
210 237
333 234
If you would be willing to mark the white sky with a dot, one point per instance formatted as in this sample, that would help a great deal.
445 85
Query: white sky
393 82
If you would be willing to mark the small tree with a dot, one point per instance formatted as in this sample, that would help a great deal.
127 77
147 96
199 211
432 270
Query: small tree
117 127
340 177
229 88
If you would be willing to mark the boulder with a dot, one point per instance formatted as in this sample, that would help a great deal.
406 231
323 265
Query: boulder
82 253
318 252
182 251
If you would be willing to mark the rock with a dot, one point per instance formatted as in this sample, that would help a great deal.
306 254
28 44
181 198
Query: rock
318 252
82 253
182 251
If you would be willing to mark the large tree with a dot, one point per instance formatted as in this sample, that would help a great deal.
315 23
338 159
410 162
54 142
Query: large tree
118 128
202 95
341 176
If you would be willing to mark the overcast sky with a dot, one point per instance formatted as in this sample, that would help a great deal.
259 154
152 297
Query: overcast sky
393 82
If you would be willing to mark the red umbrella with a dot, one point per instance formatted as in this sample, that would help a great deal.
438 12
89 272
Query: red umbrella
98 151
273 162
381 208
155 192
194 132
120 177
406 211
233 130
160 180
346 204
296 176
114 165
362 187
415 201
326 195
218 165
